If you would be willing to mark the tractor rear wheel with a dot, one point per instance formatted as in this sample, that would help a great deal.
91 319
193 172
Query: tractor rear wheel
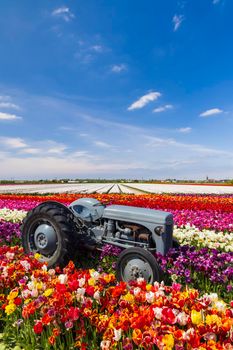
175 243
136 262
49 230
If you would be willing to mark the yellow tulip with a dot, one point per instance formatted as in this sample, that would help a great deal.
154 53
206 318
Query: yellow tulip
10 309
196 317
48 292
168 341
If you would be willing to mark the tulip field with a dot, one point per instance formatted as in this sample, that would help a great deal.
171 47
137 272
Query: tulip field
82 306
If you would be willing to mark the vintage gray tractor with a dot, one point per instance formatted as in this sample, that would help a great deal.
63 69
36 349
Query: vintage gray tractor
56 231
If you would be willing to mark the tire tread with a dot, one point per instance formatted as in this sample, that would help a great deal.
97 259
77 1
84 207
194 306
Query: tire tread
65 226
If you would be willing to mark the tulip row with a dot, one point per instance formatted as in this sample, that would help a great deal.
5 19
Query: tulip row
205 269
14 215
84 309
223 203
202 219
190 235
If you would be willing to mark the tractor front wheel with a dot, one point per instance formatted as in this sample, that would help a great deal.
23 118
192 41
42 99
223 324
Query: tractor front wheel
49 230
136 262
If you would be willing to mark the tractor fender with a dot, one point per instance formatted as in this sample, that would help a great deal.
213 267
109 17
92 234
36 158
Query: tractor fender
78 221
56 204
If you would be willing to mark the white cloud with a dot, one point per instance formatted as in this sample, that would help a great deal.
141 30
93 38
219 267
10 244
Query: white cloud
102 144
12 142
159 142
211 112
117 68
144 100
42 167
185 130
64 13
161 158
34 147
9 105
55 147
97 48
79 154
162 108
31 150
5 97
87 52
8 116
196 148
177 20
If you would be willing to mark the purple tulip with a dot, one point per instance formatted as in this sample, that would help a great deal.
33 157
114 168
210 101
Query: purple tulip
208 266
8 231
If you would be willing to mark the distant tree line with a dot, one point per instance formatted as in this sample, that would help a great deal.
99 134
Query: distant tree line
98 180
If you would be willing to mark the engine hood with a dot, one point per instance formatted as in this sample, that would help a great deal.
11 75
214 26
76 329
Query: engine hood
135 214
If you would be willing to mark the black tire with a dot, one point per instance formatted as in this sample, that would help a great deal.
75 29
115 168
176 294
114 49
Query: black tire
175 243
133 263
58 230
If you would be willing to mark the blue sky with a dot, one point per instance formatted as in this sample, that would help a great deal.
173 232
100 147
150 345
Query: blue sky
116 88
